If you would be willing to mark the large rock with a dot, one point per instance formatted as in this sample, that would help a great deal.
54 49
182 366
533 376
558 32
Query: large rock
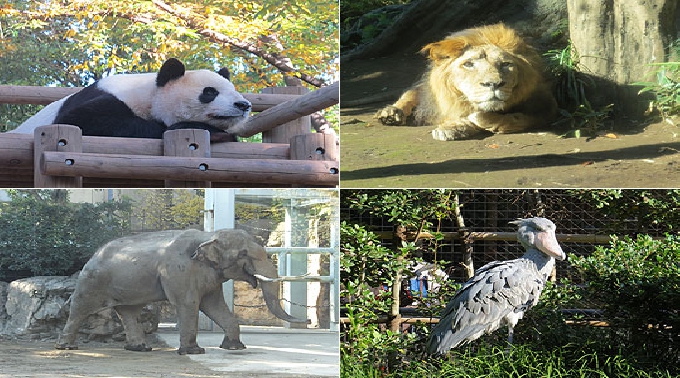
39 306
33 304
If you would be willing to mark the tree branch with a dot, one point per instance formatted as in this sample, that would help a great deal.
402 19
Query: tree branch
197 22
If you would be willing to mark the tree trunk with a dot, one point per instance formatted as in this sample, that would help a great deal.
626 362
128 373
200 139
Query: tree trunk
468 263
617 40
394 316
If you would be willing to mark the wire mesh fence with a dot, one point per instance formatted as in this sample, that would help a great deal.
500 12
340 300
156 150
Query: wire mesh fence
577 213
492 210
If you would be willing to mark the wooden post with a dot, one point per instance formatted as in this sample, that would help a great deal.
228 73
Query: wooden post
283 133
59 138
187 143
315 147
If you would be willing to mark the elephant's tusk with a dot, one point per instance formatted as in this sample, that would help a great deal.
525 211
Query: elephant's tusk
277 279
267 279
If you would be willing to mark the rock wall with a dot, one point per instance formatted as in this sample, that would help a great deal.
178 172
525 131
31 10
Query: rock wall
425 21
250 308
38 307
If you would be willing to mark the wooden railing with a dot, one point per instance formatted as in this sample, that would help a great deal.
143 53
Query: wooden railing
59 156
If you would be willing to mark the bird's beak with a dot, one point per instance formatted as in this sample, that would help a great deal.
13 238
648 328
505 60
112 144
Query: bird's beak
547 243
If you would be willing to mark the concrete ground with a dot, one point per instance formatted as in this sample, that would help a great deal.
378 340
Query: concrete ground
270 352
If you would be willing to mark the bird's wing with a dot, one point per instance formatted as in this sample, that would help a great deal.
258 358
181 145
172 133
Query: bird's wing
497 289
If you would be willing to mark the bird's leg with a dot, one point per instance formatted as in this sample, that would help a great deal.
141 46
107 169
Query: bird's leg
511 332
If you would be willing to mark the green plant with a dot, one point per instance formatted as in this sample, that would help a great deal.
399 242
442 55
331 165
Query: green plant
585 120
666 89
570 93
639 210
565 65
581 360
372 275
637 284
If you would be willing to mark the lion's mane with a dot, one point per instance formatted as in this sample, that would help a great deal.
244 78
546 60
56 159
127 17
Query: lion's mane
439 95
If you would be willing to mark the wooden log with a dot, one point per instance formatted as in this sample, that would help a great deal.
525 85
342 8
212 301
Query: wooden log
186 143
99 182
19 94
288 111
277 151
196 169
298 126
16 151
62 138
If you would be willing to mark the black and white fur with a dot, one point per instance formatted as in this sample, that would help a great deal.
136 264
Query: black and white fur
146 105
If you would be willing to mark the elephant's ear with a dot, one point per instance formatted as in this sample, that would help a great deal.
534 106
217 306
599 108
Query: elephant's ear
205 251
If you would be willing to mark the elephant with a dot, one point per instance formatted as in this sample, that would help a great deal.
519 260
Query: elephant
186 268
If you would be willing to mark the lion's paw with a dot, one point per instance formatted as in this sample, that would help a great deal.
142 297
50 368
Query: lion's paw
391 116
476 119
447 134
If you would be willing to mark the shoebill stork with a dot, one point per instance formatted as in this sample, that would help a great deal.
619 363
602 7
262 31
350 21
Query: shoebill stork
501 291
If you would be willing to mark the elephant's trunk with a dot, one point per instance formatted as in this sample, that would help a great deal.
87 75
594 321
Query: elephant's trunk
270 290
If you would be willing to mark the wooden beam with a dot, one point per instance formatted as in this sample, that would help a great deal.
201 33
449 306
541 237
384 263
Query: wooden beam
20 94
16 150
292 172
511 236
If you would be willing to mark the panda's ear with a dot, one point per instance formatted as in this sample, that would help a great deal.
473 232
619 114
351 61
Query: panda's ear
171 70
224 72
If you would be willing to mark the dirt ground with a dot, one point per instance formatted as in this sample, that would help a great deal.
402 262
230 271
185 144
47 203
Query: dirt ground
24 358
377 156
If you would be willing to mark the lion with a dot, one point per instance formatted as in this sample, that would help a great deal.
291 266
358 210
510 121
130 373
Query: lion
479 79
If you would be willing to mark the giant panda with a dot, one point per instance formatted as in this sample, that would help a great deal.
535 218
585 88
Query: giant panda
146 105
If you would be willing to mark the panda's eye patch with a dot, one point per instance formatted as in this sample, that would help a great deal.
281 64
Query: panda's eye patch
208 95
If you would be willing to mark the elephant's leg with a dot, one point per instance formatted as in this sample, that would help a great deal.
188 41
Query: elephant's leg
187 312
134 334
213 305
81 307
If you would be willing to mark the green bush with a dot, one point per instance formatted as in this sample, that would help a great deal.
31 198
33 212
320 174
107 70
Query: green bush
42 232
637 284
366 268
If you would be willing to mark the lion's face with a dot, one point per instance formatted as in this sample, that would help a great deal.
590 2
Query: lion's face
487 69
486 75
